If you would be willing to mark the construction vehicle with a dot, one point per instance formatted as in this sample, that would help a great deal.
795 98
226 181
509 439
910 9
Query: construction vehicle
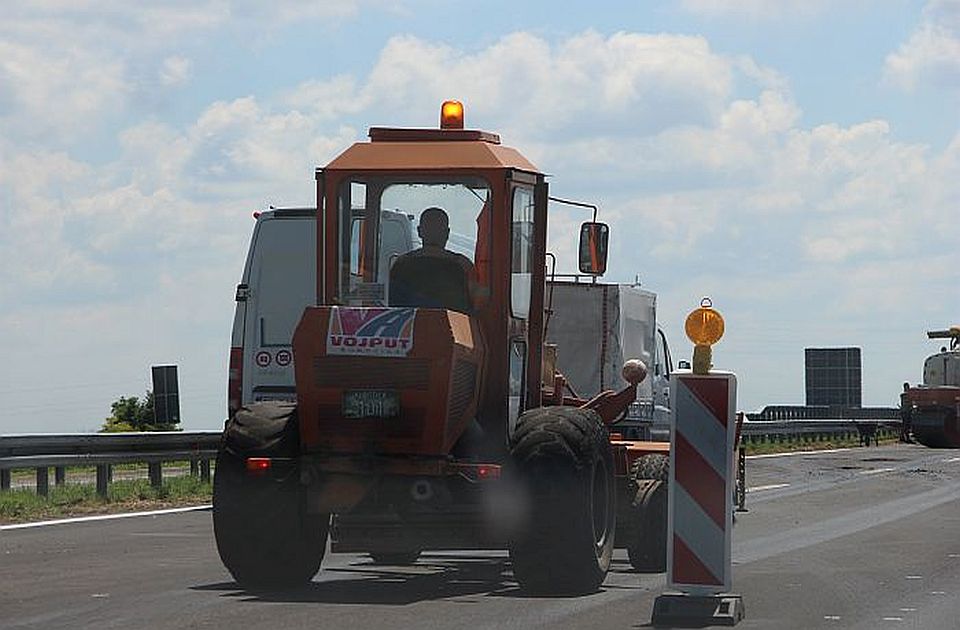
429 413
931 411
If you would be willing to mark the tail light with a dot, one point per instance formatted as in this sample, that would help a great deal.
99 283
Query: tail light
235 381
478 472
258 465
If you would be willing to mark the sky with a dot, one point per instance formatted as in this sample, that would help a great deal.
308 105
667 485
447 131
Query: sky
798 161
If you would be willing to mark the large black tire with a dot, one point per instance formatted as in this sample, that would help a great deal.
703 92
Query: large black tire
562 463
264 536
647 544
400 558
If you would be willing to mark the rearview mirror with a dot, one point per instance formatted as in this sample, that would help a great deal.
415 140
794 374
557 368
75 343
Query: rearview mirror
593 248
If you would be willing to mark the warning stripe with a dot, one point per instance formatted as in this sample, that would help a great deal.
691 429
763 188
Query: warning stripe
698 531
712 394
701 481
701 429
687 567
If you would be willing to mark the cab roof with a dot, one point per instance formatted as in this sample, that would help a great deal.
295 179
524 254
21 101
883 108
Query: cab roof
392 149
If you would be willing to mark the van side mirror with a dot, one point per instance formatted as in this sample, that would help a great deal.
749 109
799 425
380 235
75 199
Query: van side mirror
593 248
243 292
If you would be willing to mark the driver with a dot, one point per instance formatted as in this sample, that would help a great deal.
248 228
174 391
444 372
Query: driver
432 276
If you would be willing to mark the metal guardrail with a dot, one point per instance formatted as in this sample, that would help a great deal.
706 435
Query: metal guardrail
44 451
780 430
103 450
824 412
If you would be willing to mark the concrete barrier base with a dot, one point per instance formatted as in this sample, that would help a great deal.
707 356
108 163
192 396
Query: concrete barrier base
678 610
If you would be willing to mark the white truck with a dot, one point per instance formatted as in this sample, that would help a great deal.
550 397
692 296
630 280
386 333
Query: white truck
591 359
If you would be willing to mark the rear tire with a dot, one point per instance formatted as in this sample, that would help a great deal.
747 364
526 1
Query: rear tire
562 461
264 536
647 545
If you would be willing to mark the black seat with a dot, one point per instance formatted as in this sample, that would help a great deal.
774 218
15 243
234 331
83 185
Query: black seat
429 282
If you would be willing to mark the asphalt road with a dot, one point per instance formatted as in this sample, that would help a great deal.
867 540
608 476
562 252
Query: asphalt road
864 538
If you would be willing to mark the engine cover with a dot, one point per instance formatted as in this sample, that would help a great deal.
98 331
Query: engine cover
381 380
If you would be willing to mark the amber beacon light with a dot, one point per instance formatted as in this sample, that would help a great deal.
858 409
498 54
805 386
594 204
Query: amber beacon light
451 115
704 327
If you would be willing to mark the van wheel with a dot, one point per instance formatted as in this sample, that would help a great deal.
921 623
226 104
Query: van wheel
264 535
562 462
647 544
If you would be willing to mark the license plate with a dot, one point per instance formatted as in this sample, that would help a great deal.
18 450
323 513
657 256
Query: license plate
371 404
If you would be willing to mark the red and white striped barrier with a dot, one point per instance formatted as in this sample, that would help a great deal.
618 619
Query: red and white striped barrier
701 484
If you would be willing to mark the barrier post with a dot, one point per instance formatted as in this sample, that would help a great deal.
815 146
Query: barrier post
103 479
742 476
700 491
155 472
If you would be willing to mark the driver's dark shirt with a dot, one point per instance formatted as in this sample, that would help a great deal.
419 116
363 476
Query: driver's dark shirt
434 278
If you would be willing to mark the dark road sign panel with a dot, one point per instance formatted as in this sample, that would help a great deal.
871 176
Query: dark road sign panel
166 395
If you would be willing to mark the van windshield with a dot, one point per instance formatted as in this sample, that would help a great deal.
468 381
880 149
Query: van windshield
414 243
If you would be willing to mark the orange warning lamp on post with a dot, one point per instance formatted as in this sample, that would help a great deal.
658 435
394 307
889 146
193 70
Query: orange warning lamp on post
451 115
704 327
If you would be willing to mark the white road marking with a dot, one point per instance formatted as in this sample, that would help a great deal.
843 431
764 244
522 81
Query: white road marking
938 592
772 486
914 577
793 453
893 618
164 535
103 517
951 460
832 617
877 471
908 610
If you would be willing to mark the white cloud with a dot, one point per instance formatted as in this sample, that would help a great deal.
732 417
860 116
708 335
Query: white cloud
55 90
932 52
626 83
708 189
68 68
175 70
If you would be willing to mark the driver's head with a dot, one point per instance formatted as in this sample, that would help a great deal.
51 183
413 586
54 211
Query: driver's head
434 228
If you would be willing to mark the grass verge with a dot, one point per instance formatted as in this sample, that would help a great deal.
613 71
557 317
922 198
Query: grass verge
767 448
24 505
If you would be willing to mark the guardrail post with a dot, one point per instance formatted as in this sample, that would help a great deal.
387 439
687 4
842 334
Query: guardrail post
103 478
205 470
156 474
194 468
59 475
5 479
742 477
43 481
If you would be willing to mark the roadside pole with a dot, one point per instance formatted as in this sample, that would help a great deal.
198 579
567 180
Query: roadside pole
701 487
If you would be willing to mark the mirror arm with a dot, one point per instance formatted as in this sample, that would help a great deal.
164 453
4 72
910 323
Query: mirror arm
578 204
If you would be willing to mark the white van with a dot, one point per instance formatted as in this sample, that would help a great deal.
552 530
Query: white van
279 280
